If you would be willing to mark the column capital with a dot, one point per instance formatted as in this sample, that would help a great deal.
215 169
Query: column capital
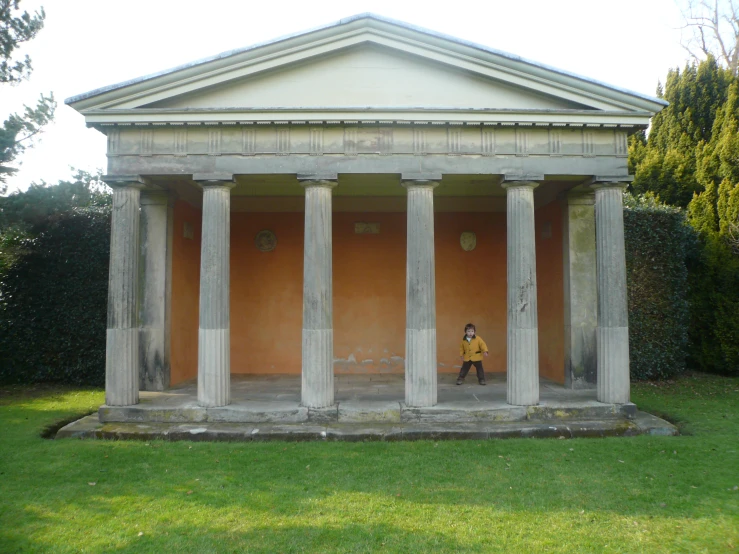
609 181
419 183
315 182
122 181
204 180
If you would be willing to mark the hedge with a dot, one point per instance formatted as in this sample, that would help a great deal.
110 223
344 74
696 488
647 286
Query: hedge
53 302
659 246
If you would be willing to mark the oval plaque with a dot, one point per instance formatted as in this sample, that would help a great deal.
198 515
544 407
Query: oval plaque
468 241
265 241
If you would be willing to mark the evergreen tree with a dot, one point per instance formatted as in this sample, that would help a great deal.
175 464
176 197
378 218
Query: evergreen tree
19 130
665 163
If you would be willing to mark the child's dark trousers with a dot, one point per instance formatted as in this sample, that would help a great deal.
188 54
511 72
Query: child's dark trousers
466 368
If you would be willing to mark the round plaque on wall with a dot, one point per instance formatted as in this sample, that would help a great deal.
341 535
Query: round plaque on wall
468 241
265 240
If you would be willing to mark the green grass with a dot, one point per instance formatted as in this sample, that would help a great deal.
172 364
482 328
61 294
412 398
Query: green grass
639 494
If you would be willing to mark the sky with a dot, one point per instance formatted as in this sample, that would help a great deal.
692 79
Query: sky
87 44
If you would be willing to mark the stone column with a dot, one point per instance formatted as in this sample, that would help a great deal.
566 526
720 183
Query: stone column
122 340
523 326
420 296
318 332
155 289
580 288
214 345
613 327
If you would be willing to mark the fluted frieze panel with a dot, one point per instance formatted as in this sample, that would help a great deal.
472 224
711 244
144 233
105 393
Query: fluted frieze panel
613 328
523 351
318 344
420 346
214 363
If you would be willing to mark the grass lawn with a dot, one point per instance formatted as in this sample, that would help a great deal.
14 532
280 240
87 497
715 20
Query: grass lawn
639 494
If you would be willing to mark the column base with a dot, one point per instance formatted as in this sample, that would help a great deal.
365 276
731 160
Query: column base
523 367
317 390
122 367
214 365
614 380
420 368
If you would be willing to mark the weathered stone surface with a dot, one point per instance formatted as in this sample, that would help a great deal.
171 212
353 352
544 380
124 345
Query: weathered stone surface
122 341
214 352
420 334
580 289
369 411
90 427
317 389
613 327
461 412
523 327
156 289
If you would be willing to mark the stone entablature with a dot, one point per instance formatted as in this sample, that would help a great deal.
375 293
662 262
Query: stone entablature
367 138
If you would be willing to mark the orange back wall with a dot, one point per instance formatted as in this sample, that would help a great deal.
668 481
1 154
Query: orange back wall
550 291
369 292
470 286
185 293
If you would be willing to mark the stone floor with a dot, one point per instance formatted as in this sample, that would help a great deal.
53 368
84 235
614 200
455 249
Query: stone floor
368 407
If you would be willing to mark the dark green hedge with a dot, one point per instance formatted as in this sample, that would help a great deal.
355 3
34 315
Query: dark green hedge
659 246
53 302
714 308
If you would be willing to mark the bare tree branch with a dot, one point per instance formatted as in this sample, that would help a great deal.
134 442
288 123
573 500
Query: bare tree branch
711 28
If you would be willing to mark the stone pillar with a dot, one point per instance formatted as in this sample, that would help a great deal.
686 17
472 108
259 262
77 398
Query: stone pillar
155 289
523 326
122 340
613 327
214 345
318 332
580 288
420 296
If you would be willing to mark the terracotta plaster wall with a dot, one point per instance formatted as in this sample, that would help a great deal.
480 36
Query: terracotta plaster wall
266 294
550 290
369 292
185 292
470 286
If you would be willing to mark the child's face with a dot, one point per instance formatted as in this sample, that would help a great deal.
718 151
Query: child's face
470 332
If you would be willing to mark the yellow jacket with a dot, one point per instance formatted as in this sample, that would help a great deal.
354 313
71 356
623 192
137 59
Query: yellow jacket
472 351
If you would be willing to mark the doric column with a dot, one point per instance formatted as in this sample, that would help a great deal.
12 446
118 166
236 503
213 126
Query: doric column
523 327
155 289
318 332
122 341
420 296
580 288
214 345
613 326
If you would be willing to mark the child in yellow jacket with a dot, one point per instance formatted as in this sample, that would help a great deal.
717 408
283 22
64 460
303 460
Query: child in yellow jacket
471 351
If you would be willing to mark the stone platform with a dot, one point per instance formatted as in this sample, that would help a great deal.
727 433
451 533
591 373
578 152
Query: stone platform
368 407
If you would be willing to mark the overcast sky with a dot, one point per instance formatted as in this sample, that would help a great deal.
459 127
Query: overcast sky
87 44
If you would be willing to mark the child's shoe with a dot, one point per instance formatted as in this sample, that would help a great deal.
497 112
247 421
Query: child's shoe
460 380
482 382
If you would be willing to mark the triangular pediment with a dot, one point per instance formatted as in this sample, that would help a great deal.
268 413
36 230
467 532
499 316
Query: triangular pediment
363 65
368 76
